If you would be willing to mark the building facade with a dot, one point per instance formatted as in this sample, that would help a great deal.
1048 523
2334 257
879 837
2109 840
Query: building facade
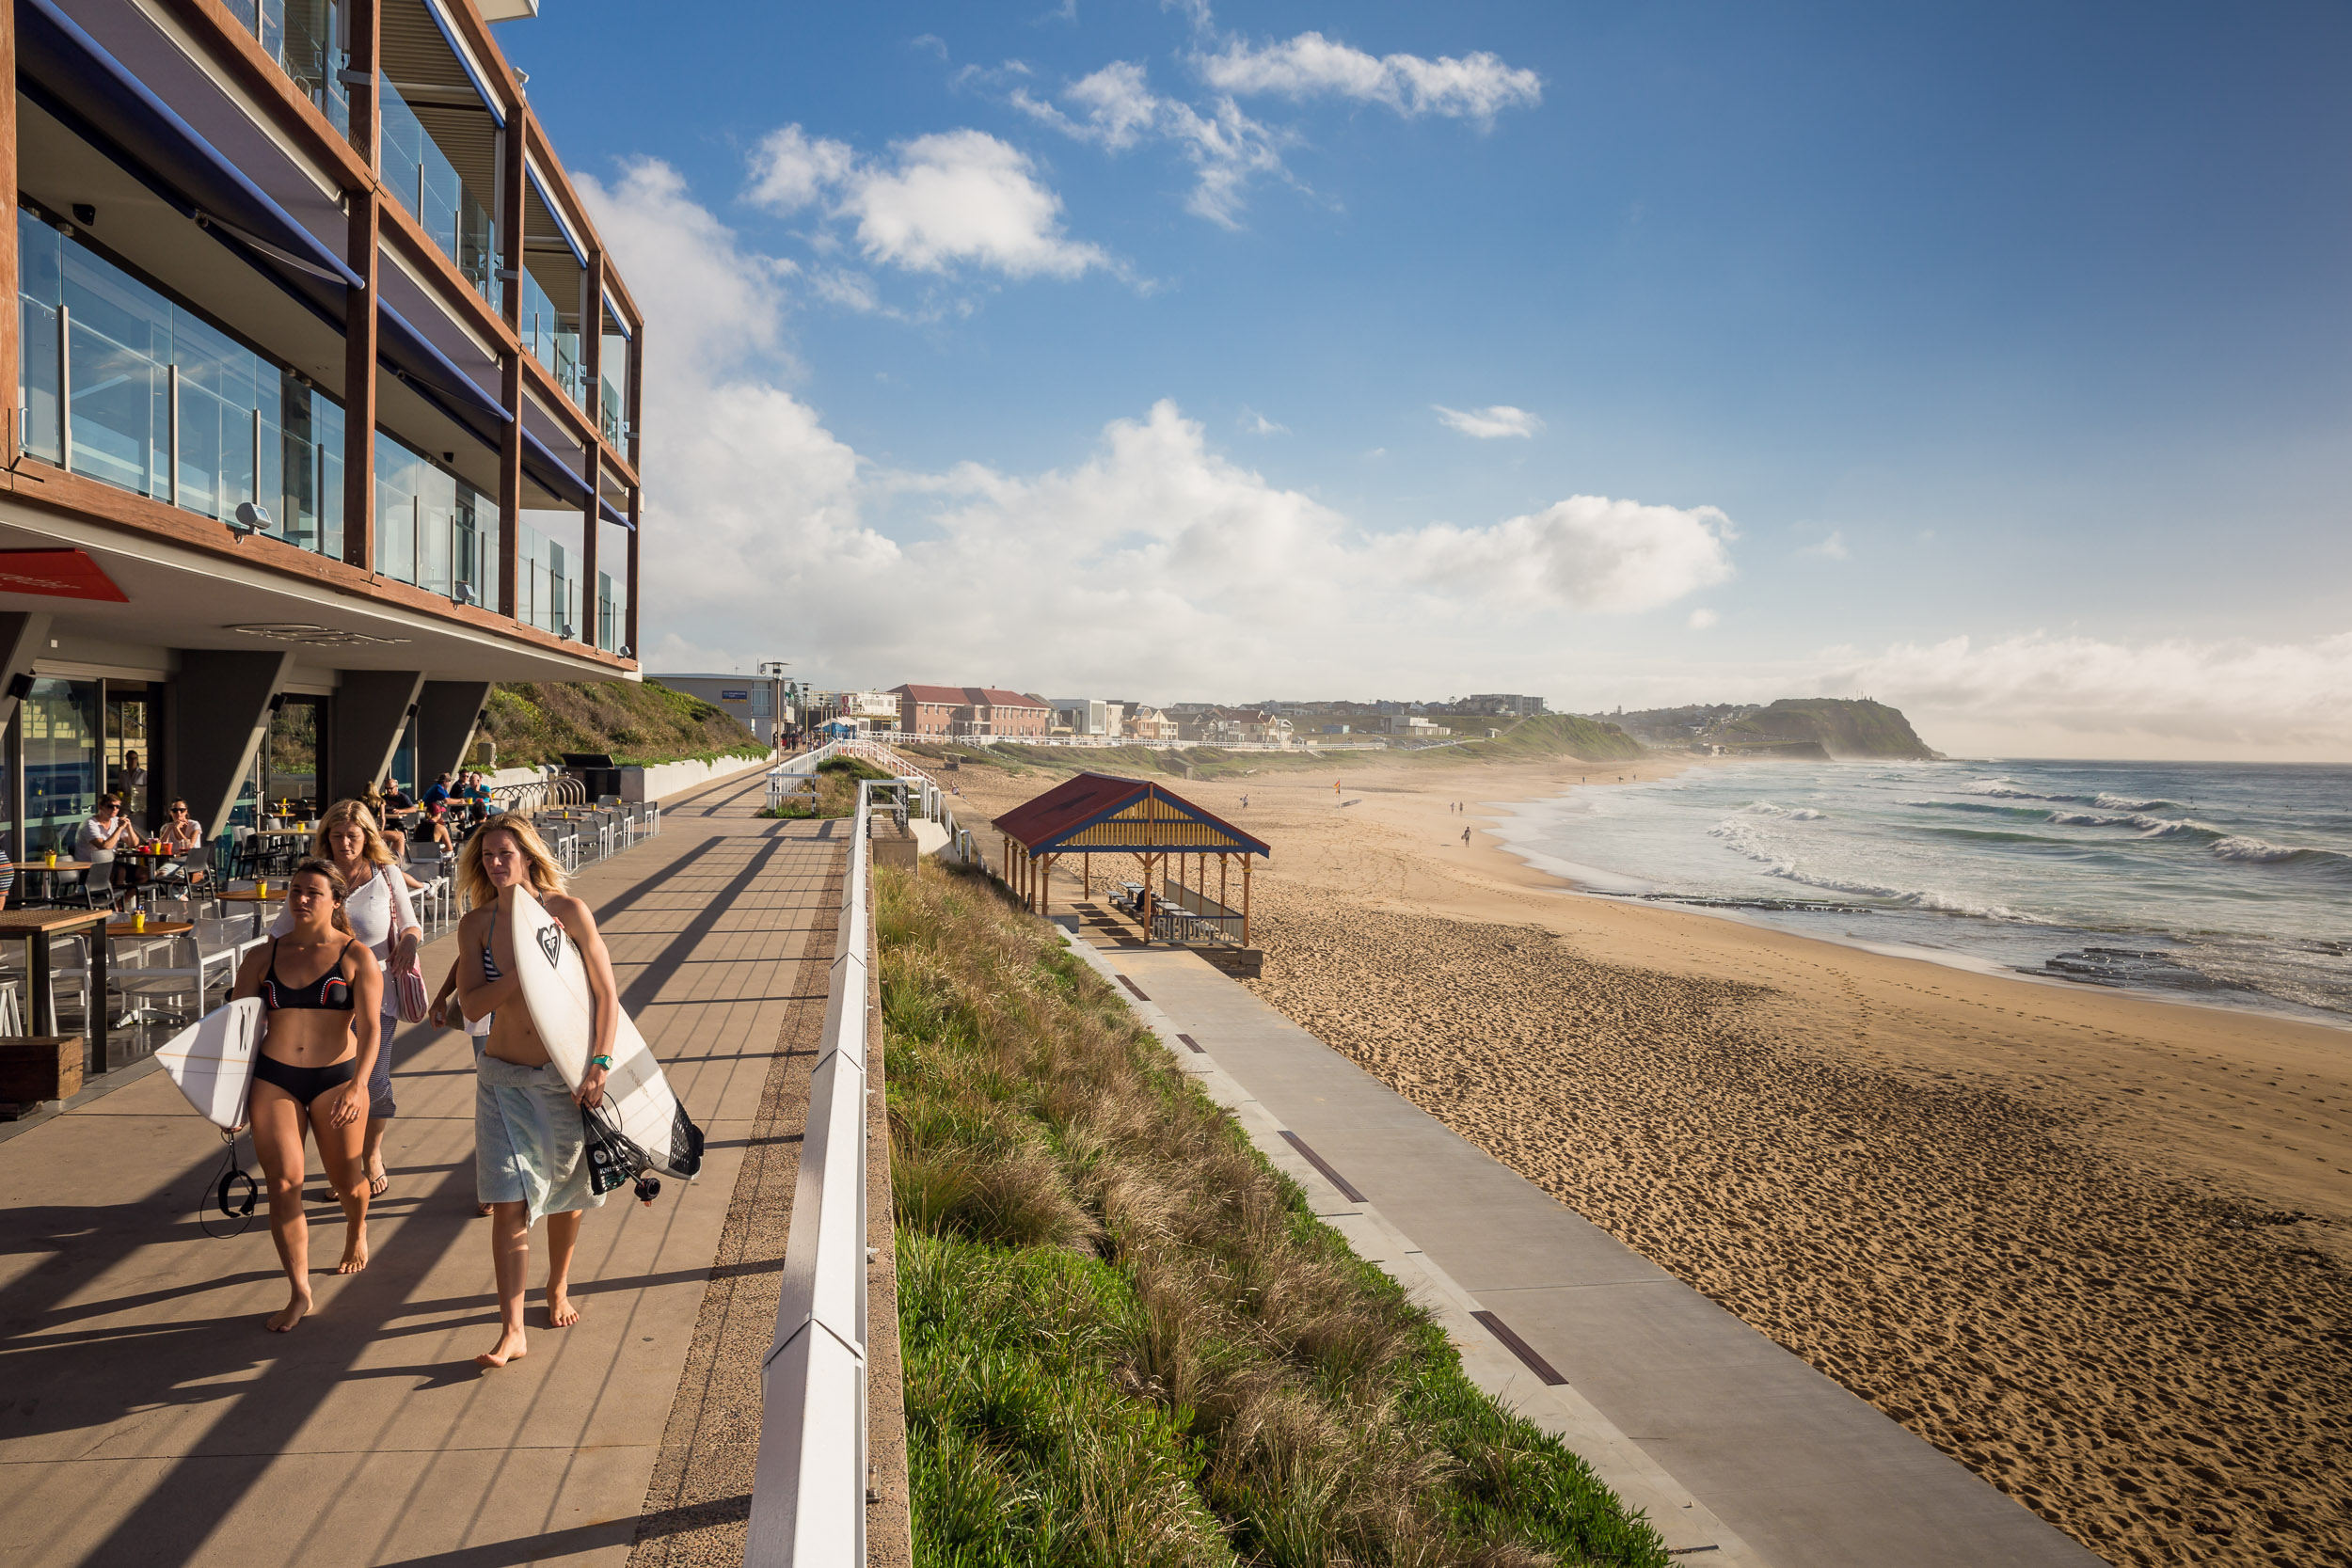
974 712
1502 705
326 410
763 704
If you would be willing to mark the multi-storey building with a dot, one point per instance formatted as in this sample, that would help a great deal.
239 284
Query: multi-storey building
974 712
326 410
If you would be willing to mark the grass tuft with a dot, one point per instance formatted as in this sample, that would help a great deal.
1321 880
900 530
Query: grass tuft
1127 1339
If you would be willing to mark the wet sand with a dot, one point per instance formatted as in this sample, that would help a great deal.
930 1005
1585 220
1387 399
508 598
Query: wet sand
2094 1247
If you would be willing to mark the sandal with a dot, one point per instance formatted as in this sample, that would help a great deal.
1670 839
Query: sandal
378 1185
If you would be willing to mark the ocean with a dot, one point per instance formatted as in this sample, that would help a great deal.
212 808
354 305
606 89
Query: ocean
2223 883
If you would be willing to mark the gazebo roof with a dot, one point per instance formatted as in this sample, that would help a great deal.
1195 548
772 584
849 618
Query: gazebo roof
1106 812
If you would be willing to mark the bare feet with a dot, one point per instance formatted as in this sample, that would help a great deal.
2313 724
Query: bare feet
561 1313
511 1347
296 1304
355 1251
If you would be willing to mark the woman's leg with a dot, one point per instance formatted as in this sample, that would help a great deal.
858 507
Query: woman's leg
563 1238
340 1153
381 1110
510 1257
278 1140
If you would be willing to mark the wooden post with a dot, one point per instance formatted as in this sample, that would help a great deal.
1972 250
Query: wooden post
513 179
1245 900
1224 865
590 628
364 27
1045 889
11 349
1085 867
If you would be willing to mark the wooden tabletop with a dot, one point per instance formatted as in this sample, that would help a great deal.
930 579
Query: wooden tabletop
44 865
21 923
283 833
248 896
154 929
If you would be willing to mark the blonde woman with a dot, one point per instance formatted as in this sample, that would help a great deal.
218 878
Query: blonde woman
383 921
530 1157
319 1040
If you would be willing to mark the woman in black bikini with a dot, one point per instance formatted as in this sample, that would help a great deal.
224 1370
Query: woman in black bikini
318 1043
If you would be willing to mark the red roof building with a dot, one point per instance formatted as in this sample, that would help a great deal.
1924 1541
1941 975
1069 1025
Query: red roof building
1172 837
941 711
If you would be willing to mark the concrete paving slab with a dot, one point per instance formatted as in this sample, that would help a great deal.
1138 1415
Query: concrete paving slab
1685 1409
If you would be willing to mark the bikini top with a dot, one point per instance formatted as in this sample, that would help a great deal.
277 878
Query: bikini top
330 992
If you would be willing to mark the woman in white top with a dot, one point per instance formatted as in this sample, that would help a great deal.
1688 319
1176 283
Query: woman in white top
384 920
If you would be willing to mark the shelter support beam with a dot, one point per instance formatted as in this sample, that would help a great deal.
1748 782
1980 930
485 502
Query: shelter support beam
217 718
447 714
23 638
371 707
1245 900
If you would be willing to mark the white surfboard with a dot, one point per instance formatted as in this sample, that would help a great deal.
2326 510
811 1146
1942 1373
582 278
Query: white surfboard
637 1099
211 1060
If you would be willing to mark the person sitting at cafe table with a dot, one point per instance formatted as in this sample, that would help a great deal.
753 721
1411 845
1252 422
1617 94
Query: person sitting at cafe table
437 792
434 828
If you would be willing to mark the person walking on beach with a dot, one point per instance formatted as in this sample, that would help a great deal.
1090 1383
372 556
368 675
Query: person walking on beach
319 1043
378 914
1466 838
529 1152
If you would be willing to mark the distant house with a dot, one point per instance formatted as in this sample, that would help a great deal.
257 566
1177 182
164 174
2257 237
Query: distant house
1502 705
974 712
1234 726
1145 722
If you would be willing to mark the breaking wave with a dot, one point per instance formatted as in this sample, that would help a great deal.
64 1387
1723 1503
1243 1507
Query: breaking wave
2257 851
1794 813
1776 862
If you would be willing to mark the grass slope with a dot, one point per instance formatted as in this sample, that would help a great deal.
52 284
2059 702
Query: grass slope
537 721
1843 727
1127 1340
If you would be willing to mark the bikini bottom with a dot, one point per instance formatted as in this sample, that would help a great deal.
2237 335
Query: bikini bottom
304 1084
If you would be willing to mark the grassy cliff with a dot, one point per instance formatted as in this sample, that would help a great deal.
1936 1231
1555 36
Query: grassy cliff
1843 728
537 721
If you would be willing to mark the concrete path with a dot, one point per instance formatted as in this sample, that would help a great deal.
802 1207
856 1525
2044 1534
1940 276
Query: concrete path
1733 1445
145 1417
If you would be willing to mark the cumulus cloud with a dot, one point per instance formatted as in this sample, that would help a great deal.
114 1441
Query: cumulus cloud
1587 552
952 198
1116 109
1474 86
1831 549
1490 424
1257 424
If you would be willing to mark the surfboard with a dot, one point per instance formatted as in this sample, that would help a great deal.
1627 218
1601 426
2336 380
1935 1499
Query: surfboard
637 1099
211 1060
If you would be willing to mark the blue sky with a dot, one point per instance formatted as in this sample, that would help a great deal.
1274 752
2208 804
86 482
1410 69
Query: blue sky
1107 348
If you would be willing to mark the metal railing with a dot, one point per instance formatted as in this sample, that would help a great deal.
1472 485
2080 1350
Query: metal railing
809 1492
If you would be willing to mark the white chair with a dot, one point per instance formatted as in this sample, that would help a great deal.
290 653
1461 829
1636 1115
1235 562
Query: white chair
213 950
427 866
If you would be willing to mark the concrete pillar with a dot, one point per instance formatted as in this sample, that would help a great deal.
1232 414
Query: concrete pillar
371 707
23 638
447 714
216 717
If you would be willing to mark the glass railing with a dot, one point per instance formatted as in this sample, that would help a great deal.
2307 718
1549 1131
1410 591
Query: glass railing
612 613
608 410
300 35
118 384
433 529
547 593
547 340
419 174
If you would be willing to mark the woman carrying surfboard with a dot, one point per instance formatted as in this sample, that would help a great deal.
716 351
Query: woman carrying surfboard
530 1149
319 989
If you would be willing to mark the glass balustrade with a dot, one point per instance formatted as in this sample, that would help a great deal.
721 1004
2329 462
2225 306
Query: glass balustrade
420 175
547 592
301 36
433 529
549 340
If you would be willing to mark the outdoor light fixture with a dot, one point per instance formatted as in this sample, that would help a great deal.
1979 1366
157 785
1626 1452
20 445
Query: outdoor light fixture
461 591
627 652
248 518
20 688
566 634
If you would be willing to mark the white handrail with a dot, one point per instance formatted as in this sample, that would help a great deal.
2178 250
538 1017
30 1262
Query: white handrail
808 1491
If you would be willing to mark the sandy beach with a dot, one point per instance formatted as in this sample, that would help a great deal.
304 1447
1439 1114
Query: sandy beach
2097 1247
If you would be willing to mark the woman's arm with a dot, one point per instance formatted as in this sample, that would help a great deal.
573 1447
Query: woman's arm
367 1001
581 927
250 975
438 1014
407 932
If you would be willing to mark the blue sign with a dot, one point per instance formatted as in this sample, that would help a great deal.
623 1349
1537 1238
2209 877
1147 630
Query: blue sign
727 696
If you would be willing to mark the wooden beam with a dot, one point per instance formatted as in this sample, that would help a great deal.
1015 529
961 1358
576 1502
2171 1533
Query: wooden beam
363 26
1245 900
636 532
592 514
12 343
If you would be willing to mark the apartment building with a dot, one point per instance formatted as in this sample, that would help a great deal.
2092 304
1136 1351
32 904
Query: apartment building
974 711
326 411
761 703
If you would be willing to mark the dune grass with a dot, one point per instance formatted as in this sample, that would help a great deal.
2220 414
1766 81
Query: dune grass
1127 1340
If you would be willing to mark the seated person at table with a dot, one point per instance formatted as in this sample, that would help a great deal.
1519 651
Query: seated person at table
182 832
397 799
107 829
437 792
434 828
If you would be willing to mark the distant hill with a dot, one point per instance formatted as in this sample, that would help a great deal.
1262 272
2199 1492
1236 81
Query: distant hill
1842 728
1549 735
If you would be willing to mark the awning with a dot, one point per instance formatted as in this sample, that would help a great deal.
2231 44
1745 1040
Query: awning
555 211
472 67
74 77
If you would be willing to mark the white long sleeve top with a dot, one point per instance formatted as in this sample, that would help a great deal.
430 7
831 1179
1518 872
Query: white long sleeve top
378 911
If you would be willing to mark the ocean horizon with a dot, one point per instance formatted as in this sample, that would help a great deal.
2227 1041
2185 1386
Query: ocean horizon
2218 883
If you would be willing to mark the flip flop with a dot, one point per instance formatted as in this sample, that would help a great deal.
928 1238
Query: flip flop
379 1186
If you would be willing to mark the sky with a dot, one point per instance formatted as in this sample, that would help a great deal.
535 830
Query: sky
1993 360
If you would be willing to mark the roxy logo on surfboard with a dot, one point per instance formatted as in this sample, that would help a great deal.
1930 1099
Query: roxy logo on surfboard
551 942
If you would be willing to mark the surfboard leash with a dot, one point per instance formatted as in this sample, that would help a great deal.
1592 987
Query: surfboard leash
231 1173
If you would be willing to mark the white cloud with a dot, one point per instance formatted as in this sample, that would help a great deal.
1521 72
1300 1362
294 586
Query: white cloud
1257 424
1474 86
2077 695
1831 549
1116 110
1587 552
1489 424
1702 619
949 200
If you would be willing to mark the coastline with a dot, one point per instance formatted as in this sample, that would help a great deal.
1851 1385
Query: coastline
2091 1244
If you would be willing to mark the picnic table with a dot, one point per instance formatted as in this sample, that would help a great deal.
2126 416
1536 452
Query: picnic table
39 929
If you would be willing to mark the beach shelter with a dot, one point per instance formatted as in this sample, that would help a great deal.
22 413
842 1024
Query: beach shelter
1173 838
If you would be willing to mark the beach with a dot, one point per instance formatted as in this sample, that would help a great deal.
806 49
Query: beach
2092 1245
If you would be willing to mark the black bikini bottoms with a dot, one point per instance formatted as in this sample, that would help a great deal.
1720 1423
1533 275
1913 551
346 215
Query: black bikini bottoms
304 1084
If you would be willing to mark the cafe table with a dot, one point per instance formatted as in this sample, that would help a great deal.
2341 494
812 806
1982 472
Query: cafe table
43 869
246 895
39 929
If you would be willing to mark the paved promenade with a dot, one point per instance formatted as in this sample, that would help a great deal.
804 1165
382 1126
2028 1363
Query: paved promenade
1736 1447
145 1417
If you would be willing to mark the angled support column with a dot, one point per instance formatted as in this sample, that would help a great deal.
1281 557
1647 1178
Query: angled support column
447 713
217 718
23 638
371 707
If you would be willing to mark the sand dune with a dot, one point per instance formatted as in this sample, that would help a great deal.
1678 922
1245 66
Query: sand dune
2091 1245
